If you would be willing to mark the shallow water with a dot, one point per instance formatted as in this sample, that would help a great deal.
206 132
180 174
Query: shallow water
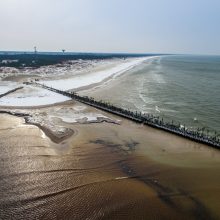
185 89
108 172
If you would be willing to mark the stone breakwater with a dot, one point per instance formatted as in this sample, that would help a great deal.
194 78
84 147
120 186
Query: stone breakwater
138 117
10 91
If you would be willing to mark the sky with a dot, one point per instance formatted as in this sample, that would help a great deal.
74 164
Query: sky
132 26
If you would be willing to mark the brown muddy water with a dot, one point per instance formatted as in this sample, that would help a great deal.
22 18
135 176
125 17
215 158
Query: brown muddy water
106 171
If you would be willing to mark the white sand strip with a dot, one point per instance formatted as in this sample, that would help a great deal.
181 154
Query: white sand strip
32 97
95 77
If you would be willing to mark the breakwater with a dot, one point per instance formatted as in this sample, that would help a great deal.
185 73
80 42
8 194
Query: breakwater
17 114
10 91
146 119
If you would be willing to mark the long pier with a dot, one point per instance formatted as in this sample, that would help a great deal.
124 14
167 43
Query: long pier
138 117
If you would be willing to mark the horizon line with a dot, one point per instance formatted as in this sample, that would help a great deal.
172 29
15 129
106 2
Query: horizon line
104 53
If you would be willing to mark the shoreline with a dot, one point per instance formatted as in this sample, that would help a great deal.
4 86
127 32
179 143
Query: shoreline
78 82
58 131
138 117
54 137
107 80
88 80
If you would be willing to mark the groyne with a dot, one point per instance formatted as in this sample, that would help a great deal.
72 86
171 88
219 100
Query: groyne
146 119
17 114
10 91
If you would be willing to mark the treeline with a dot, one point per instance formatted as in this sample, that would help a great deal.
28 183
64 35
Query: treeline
36 60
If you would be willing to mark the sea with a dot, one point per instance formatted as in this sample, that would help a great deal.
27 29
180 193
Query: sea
184 89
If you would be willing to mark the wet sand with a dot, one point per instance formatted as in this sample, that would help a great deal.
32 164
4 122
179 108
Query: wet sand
105 171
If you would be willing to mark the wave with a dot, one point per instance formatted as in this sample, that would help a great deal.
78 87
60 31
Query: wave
157 109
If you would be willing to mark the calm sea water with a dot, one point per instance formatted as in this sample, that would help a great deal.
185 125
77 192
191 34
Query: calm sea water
185 89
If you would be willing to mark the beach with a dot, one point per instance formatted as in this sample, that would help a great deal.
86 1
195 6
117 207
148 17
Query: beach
109 110
65 159
70 76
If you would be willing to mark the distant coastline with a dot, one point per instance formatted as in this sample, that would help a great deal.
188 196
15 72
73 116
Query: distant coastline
21 59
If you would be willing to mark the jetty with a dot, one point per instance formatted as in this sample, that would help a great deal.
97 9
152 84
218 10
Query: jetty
10 91
138 117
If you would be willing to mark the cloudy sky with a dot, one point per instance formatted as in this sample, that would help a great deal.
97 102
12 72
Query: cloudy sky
140 26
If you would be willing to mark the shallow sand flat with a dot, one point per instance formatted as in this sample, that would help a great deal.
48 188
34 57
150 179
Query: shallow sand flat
82 182
185 168
108 171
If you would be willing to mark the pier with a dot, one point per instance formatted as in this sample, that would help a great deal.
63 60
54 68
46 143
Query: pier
138 117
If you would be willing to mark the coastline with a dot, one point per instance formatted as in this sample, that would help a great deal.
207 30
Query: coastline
94 77
85 78
88 89
74 159
138 117
53 136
